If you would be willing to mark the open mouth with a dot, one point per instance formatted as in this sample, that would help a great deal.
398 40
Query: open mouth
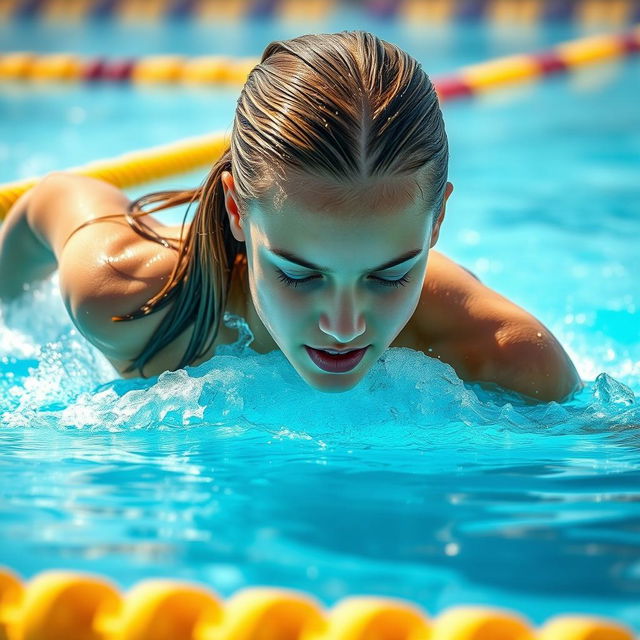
336 362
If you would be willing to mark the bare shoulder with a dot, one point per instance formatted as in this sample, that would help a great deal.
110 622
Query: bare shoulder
105 273
487 338
105 268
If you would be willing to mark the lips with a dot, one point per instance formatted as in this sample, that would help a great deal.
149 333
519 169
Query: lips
336 363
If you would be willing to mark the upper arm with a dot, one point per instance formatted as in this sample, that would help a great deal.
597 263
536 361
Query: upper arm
103 275
38 225
105 268
62 202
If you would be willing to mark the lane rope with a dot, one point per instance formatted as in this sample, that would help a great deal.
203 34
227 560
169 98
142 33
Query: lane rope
77 606
594 12
138 167
24 66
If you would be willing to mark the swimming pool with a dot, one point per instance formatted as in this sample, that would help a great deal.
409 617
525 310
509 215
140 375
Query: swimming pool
412 485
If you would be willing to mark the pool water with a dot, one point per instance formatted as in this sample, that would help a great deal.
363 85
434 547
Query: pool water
412 485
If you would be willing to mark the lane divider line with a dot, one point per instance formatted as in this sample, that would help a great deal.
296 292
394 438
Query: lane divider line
25 66
531 12
143 166
78 606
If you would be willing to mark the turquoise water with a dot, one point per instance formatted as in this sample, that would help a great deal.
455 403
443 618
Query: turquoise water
412 485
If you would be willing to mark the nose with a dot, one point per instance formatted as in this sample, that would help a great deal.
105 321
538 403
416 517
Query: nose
344 319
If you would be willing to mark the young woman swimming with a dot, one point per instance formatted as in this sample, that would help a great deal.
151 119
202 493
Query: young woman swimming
315 226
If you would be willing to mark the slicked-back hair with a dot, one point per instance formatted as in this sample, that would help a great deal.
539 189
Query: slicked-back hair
346 106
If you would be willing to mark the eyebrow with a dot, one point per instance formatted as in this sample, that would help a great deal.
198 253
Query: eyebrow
291 257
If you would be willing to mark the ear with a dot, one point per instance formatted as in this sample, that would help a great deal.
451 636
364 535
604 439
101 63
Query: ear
435 234
231 205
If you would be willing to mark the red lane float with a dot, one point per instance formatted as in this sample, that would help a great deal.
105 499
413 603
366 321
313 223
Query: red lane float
222 70
485 76
200 151
613 12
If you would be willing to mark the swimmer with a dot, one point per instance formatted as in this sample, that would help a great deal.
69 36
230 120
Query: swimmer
317 226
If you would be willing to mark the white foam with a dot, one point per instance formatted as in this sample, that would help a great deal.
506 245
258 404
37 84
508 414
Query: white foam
70 384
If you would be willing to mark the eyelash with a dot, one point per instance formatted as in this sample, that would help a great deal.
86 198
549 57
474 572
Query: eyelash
294 282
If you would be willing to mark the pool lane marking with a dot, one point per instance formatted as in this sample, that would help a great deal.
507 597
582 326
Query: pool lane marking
591 12
523 12
159 162
435 13
176 69
136 167
66 10
69 604
485 76
214 70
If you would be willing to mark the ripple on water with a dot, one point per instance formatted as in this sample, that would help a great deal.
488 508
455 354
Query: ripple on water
413 484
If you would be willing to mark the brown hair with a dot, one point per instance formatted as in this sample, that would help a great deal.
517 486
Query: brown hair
346 106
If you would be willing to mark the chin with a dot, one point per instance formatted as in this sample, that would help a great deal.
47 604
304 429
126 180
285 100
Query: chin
334 383
330 382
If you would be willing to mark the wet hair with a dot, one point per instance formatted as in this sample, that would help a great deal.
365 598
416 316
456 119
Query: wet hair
346 106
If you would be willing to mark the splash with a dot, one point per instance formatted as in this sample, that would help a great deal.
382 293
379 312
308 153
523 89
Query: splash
52 377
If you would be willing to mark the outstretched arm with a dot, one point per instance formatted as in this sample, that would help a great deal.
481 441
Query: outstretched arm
25 257
37 227
106 269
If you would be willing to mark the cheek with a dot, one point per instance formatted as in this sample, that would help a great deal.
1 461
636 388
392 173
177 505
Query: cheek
279 308
282 308
393 310
289 299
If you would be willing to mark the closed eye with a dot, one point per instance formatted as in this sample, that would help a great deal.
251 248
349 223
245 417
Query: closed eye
400 282
295 282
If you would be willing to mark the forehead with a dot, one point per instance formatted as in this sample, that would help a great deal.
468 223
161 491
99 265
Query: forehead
352 227
331 197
